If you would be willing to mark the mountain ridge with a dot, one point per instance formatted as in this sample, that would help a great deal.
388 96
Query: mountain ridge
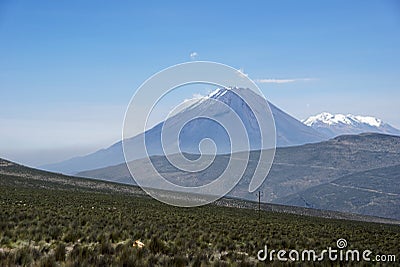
333 125
360 192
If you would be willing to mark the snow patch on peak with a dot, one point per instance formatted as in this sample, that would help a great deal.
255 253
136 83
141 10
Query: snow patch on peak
214 93
369 120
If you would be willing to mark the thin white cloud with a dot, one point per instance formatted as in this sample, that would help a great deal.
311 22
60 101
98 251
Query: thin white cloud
197 96
279 81
193 55
193 98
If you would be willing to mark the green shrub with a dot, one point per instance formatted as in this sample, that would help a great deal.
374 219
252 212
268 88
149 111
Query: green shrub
59 252
48 261
157 246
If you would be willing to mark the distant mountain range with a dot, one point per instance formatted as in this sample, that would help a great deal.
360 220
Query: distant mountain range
351 173
289 131
332 125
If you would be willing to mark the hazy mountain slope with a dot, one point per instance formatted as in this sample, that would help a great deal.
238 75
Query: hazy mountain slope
112 155
25 180
117 173
373 192
289 131
338 124
295 169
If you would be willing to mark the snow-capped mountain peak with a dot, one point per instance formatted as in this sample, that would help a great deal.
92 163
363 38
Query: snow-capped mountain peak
349 119
289 131
338 124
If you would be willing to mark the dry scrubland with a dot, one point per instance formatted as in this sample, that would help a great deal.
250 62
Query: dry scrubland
45 223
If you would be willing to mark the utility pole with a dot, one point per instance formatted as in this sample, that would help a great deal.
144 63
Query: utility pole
259 203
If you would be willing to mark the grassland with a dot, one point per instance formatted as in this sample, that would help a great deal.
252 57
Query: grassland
45 223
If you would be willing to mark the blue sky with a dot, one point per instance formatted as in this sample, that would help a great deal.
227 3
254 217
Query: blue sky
69 68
